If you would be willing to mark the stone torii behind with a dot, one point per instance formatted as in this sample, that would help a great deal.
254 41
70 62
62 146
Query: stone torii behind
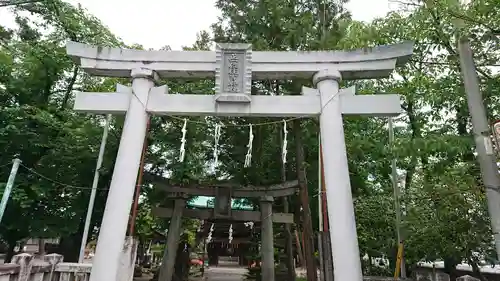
234 66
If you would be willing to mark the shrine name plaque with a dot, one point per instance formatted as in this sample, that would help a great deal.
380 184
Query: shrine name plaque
233 73
222 202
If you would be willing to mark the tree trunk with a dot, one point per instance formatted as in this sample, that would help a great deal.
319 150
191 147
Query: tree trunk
392 257
69 246
10 251
300 253
69 88
476 271
41 246
304 199
140 252
450 267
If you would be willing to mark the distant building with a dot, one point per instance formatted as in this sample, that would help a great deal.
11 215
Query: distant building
33 245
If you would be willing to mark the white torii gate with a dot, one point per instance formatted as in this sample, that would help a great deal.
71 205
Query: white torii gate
234 66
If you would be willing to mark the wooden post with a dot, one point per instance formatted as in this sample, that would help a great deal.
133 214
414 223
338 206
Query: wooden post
304 200
325 234
321 255
299 248
327 256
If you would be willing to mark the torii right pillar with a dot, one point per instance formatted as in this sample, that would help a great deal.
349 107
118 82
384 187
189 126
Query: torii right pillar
344 240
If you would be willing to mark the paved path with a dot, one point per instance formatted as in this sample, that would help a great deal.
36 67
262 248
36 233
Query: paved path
226 271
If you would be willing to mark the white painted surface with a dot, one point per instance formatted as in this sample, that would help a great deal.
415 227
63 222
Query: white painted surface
356 64
116 215
344 239
161 103
111 103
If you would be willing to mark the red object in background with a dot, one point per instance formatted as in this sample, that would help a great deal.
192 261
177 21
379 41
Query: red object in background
196 262
135 204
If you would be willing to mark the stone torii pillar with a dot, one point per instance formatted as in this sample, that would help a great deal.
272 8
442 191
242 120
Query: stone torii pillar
345 250
105 263
267 249
234 66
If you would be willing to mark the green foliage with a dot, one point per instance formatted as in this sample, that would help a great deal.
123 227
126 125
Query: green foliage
58 147
442 197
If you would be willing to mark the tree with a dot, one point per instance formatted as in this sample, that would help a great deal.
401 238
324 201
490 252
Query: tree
434 140
58 148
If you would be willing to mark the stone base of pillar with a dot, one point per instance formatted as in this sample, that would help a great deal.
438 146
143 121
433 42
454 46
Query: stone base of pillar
127 260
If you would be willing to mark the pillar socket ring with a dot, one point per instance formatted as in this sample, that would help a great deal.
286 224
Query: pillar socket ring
145 73
326 74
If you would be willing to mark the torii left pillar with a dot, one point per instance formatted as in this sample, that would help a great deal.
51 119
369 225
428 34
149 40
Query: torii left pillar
121 192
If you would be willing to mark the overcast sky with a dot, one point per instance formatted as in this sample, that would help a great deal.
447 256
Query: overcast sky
156 23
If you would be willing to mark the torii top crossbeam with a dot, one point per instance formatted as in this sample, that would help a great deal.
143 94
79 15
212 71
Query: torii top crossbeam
374 62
